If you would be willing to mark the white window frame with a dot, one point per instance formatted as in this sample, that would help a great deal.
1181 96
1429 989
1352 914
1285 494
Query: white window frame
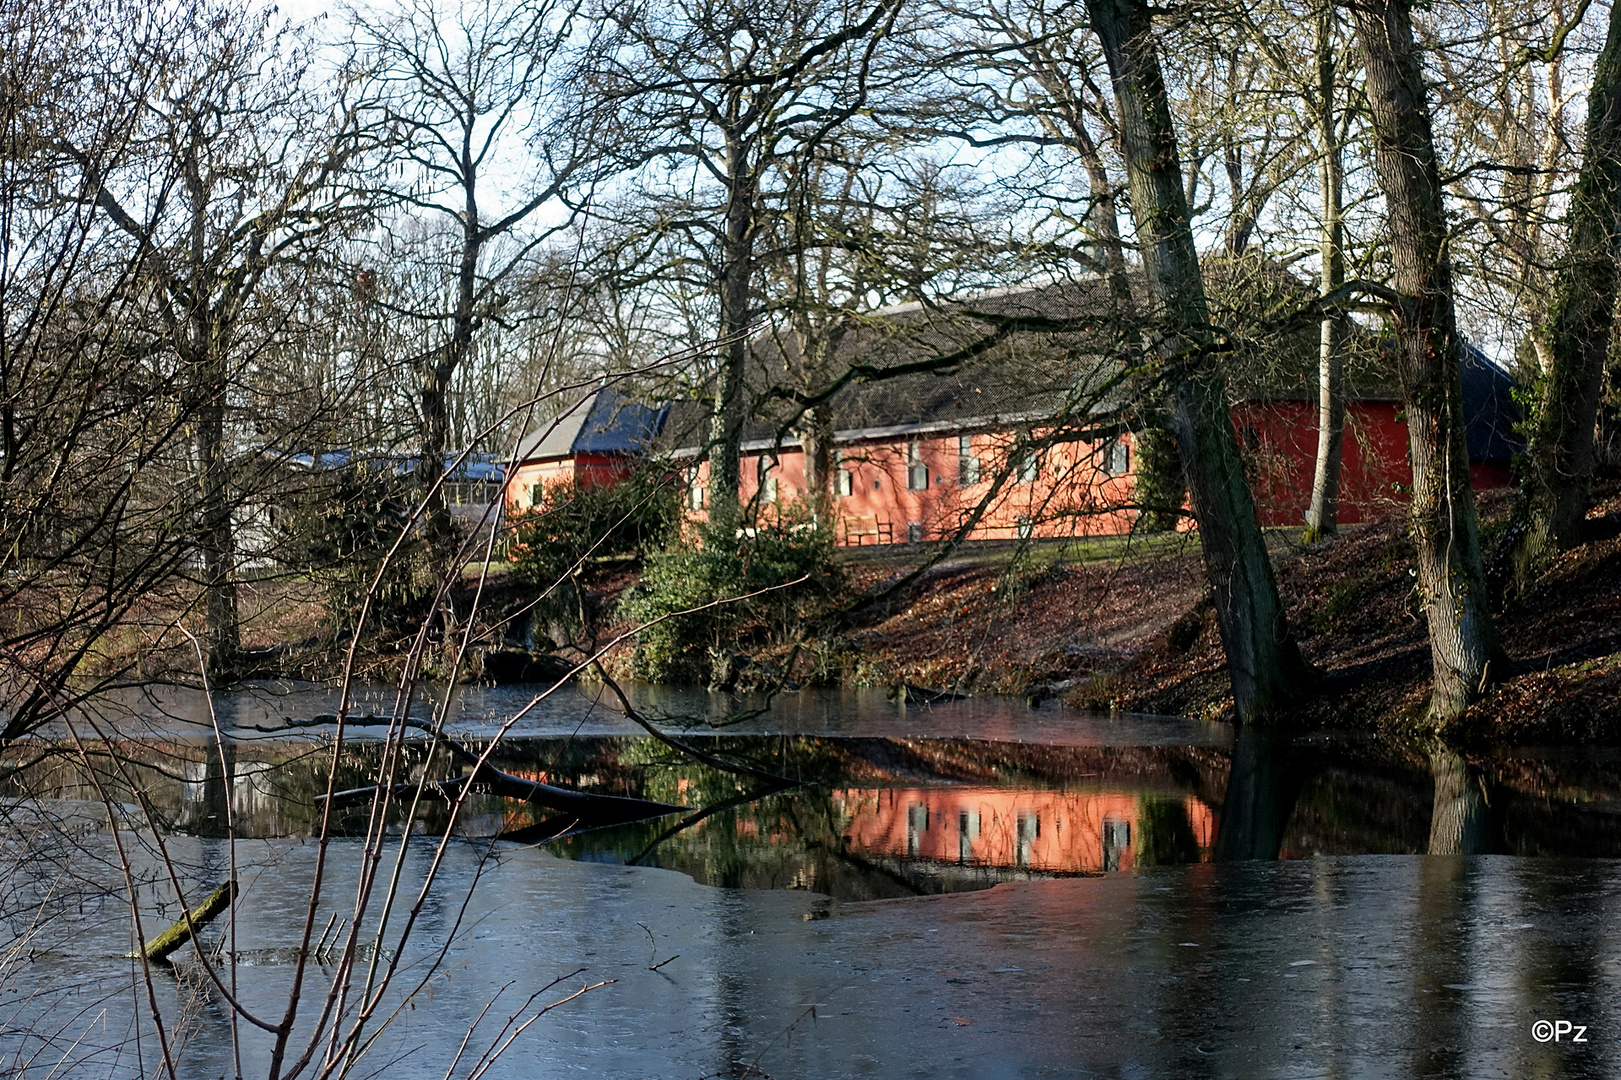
917 473
967 463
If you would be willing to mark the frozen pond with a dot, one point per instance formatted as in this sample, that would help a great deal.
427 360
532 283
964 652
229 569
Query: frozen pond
972 894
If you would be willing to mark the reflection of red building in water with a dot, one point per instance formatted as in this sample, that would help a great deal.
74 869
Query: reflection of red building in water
1060 831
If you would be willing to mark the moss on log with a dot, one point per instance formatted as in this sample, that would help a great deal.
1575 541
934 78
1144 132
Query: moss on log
159 948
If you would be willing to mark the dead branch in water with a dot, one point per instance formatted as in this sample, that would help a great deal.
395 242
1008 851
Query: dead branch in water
185 928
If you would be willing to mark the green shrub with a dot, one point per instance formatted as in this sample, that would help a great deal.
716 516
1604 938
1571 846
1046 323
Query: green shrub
572 524
714 566
561 535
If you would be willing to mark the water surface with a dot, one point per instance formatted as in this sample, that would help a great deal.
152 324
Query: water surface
978 890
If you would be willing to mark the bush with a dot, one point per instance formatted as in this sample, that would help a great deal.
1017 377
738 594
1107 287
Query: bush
558 537
718 566
572 524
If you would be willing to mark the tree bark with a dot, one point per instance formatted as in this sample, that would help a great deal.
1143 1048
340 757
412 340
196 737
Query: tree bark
222 635
1266 667
438 527
1555 493
1158 477
816 440
736 292
1322 516
1441 519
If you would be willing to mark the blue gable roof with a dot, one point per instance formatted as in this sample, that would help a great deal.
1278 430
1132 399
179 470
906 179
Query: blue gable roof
1489 409
616 425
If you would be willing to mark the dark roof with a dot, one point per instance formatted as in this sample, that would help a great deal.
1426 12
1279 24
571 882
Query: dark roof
606 422
1489 408
1247 294
1030 374
1040 374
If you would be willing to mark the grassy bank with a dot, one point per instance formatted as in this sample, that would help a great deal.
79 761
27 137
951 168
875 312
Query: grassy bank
1105 624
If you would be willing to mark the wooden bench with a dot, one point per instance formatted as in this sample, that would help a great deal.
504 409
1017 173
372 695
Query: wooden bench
857 530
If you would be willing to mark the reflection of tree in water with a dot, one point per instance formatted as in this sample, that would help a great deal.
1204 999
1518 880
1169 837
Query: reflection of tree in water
1262 787
1164 832
1463 821
1443 948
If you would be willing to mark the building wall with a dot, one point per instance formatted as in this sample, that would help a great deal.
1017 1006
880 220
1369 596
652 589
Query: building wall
901 489
1280 443
588 470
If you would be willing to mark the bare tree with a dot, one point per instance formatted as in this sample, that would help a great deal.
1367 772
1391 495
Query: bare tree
259 172
92 424
1265 664
464 99
1442 518
717 97
1578 331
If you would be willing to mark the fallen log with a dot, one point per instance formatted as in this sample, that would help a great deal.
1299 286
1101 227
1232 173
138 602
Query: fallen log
597 809
158 949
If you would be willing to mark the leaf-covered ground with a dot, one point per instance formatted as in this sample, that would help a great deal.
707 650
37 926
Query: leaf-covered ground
1137 633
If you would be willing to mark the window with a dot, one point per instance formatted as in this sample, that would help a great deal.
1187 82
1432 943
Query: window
1026 831
537 494
843 479
1027 466
917 823
1116 457
1022 526
1116 839
967 833
695 497
917 473
967 463
914 532
768 489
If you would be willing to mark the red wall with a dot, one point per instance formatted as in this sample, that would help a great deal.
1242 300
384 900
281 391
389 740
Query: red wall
589 470
1072 494
1280 443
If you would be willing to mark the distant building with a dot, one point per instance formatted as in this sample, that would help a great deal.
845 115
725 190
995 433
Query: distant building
594 444
1277 433
976 449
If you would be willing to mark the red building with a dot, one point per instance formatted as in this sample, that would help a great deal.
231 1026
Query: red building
975 450
1278 436
595 443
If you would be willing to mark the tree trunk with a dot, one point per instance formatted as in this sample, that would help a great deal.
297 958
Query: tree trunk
816 440
438 527
1158 483
736 290
217 534
1322 516
1554 498
1266 668
1441 517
